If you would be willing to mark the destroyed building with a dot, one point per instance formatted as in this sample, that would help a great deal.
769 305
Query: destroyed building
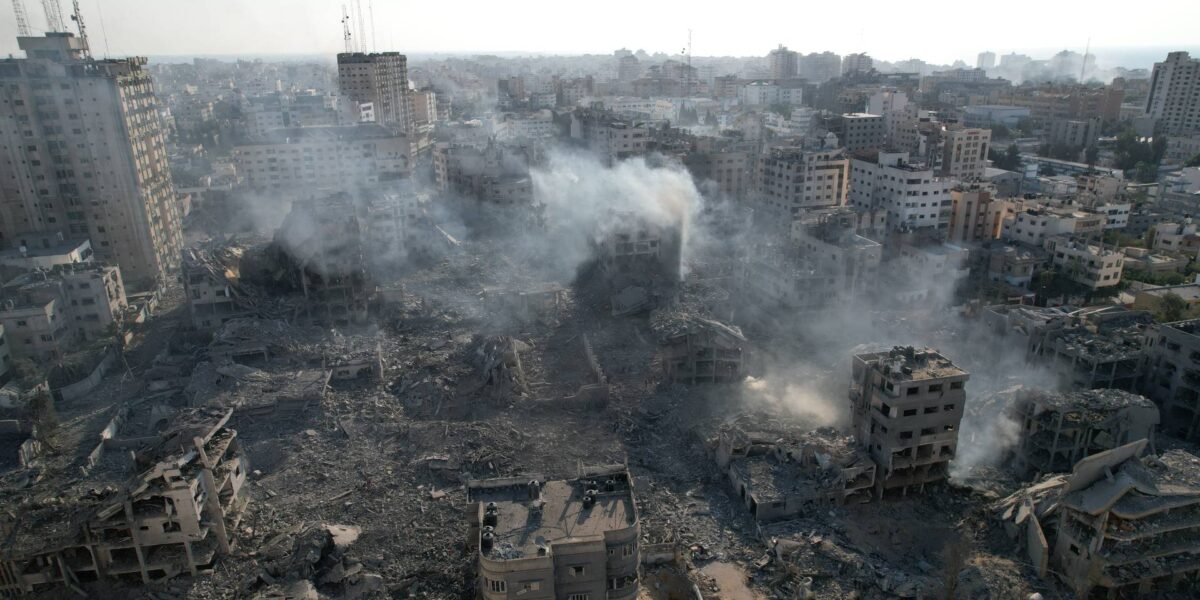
1173 376
780 473
696 350
539 303
322 243
640 260
495 174
176 516
906 405
1099 347
1121 524
212 286
1058 429
562 539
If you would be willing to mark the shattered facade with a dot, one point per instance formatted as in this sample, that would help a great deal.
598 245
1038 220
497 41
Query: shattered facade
1060 429
211 279
561 539
1097 348
779 474
325 248
696 350
173 518
1173 375
1121 524
907 404
639 259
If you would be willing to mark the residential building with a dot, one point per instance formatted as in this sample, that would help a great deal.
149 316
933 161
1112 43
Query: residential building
863 131
379 79
783 63
496 174
52 309
574 539
1098 347
976 214
609 136
985 60
836 249
913 196
324 158
698 351
1033 222
1049 101
770 93
211 285
857 64
1013 265
1059 429
1150 298
92 155
46 251
1086 263
1176 237
424 107
1181 149
780 472
820 67
1174 99
964 153
793 179
986 115
177 515
1173 376
906 405
1076 133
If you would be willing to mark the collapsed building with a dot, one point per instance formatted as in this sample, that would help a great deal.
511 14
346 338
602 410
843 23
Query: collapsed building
1058 429
212 286
322 242
906 405
1120 524
1097 348
1173 376
696 350
779 473
563 539
640 260
175 517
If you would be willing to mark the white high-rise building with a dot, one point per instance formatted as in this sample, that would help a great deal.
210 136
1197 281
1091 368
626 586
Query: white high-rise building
1174 100
83 154
985 60
912 194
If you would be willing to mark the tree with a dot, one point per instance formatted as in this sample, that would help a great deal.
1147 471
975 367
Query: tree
1090 155
1193 161
1171 308
1010 160
999 131
1146 172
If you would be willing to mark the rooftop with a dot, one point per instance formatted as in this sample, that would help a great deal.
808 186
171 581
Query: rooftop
524 525
906 363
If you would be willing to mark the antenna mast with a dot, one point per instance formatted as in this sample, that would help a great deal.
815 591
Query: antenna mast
54 16
362 36
23 29
346 30
77 16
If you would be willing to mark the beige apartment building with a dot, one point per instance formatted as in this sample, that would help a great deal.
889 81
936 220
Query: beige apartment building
1086 263
794 179
964 153
83 153
906 404
379 79
573 539
976 214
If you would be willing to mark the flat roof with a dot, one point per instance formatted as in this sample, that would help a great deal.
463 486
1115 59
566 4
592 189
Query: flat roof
906 363
523 524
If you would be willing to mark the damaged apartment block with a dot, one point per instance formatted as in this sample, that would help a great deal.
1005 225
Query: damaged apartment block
779 474
696 350
640 260
566 539
1173 376
1119 525
175 517
907 404
1058 429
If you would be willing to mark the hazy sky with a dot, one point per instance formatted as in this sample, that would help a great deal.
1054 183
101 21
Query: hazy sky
935 30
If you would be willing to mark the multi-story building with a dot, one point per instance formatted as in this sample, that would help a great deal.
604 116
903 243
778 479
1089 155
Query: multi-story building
964 152
911 194
976 214
608 135
793 179
1076 133
783 63
324 158
986 115
863 131
857 64
1049 101
380 79
424 107
1058 429
1086 263
985 60
574 539
1174 100
1173 376
51 309
494 175
84 154
769 93
820 67
906 405
1176 237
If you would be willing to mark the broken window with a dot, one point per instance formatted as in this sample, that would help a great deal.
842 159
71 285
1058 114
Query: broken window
578 571
956 385
936 387
912 391
906 435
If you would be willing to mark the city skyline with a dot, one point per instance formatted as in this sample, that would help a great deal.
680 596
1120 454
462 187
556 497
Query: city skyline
312 27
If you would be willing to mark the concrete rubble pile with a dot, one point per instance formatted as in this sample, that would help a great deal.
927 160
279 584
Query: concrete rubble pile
309 562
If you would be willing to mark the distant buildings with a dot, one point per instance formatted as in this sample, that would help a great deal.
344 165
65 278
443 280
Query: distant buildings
324 158
92 157
793 179
964 153
856 64
913 196
863 131
783 63
1086 263
985 60
44 313
820 67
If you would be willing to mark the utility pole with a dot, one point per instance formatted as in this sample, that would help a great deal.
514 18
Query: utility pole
54 17
23 29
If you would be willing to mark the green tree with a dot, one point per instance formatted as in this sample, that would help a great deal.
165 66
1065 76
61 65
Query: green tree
1171 308
1146 172
999 131
1193 161
782 109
